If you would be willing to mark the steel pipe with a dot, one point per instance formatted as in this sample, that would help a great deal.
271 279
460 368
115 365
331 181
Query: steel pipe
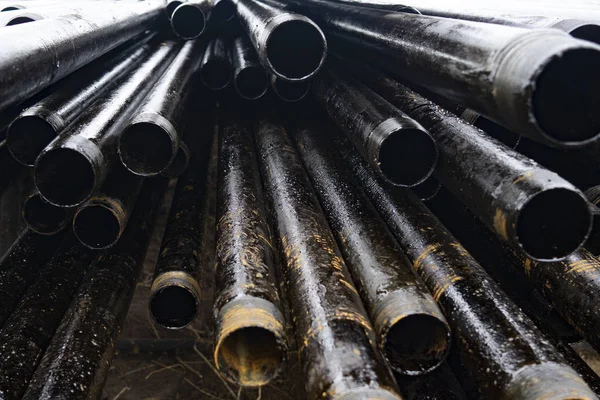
290 91
593 243
32 14
189 19
44 218
216 69
249 77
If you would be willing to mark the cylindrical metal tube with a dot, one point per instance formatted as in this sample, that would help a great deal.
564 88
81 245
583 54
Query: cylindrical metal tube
333 333
216 69
289 45
249 77
27 333
540 83
76 363
31 14
503 350
44 218
290 91
250 337
411 331
22 5
189 19
151 140
381 5
222 11
440 384
74 165
509 192
397 146
35 57
593 243
35 127
179 163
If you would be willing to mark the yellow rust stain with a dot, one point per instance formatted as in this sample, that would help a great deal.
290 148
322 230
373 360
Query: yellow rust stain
583 267
500 224
528 264
523 176
440 288
428 250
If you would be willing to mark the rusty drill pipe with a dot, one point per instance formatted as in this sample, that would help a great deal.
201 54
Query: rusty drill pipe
35 127
593 243
179 163
74 165
502 348
412 333
509 192
336 340
76 363
189 19
36 56
27 333
150 142
250 338
289 45
397 146
290 91
44 218
249 77
216 69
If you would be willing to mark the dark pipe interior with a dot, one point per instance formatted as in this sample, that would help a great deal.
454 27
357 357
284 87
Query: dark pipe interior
291 91
10 8
216 73
252 82
145 148
27 137
42 216
97 226
171 6
589 32
20 20
223 11
173 307
188 21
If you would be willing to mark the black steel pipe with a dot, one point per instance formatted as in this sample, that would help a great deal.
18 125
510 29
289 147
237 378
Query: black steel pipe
503 349
510 193
290 91
179 163
397 146
380 5
335 338
250 333
42 217
289 45
190 18
222 11
34 128
27 333
37 13
249 77
150 142
33 59
216 69
77 361
11 169
74 165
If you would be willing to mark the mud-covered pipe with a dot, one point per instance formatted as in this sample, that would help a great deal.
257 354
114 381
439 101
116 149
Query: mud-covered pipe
249 77
34 128
290 91
336 340
179 163
27 333
76 363
216 69
33 59
593 243
189 19
250 337
502 348
289 45
44 218
150 142
397 146
74 165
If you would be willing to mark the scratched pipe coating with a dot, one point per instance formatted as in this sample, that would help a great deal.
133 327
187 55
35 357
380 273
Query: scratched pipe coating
507 355
412 333
150 142
216 69
76 363
289 45
74 165
249 77
28 332
33 59
38 125
531 208
336 340
540 83
250 344
397 146
290 91
179 163
189 19
44 218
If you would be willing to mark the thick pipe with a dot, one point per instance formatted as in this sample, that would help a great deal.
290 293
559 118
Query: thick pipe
502 348
44 218
593 243
289 45
100 222
412 333
74 165
179 163
216 69
77 361
290 91
189 19
27 333
249 77
150 142
335 338
540 83
397 146
380 5
36 56
34 128
513 195
250 336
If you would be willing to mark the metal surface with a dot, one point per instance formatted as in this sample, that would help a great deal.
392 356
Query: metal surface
249 77
44 218
215 69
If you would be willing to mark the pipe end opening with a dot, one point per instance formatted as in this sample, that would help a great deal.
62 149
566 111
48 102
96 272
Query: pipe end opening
216 74
291 91
42 217
172 6
188 21
223 11
145 149
589 32
252 82
97 226
20 20
173 306
12 8
27 136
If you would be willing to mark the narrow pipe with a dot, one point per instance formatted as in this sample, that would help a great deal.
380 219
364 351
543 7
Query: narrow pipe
179 163
171 6
249 77
216 69
74 165
397 146
335 338
100 222
34 128
44 218
593 243
189 19
290 91
502 348
150 142
289 45
250 337
52 42
27 333
558 109
76 363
